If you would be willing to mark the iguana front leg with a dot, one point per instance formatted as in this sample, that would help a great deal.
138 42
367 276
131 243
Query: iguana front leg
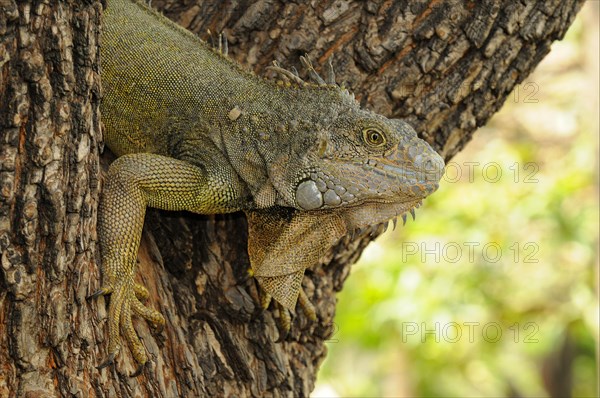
134 182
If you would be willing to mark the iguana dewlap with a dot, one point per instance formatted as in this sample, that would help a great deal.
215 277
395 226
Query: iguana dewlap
194 131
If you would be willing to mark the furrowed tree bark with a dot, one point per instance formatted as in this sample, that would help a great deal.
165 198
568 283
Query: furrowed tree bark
49 169
444 66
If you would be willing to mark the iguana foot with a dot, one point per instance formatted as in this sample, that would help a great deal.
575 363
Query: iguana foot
285 315
125 299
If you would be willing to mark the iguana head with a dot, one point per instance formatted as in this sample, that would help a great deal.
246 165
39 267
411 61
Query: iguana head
341 157
362 160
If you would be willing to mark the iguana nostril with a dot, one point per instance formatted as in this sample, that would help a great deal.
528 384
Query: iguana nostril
429 166
427 161
435 165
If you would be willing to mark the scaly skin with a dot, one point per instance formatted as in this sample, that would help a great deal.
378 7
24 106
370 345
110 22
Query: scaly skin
196 132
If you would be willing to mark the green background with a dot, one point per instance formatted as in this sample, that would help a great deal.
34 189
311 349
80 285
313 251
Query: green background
493 290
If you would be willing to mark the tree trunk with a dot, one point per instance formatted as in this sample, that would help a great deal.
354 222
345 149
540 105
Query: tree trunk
49 171
444 66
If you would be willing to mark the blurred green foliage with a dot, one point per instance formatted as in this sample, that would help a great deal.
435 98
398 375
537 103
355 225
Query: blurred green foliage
493 290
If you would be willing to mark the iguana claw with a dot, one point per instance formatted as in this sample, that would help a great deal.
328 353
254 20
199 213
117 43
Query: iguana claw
139 370
159 328
110 360
103 291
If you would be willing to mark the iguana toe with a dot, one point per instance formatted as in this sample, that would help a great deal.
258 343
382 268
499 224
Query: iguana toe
307 307
136 346
110 360
141 292
265 299
139 370
103 291
285 322
147 313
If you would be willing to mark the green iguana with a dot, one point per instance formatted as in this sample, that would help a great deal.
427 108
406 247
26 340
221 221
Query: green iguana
194 131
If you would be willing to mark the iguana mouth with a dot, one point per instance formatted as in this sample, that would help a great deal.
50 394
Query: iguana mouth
321 191
381 183
374 213
412 202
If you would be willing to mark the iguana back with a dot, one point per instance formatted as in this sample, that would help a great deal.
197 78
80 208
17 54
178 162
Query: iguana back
160 80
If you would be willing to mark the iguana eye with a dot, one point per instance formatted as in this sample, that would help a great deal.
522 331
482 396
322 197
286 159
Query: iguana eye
374 137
